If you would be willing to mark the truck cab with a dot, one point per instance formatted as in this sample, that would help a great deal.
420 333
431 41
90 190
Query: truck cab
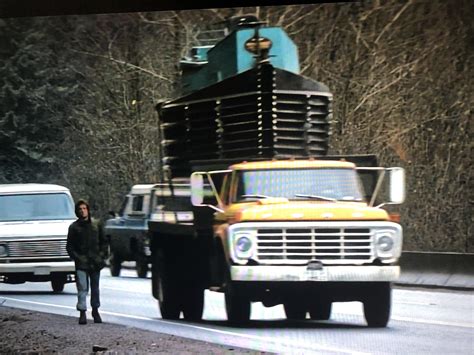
34 222
301 233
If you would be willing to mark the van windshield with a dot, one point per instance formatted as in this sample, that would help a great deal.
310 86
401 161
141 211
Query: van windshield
35 207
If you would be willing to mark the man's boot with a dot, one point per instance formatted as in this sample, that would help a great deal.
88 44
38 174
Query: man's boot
82 318
96 315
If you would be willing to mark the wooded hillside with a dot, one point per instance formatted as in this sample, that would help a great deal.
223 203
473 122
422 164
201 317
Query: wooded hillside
78 96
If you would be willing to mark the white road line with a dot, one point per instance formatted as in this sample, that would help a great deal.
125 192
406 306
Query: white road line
145 292
417 303
286 342
433 322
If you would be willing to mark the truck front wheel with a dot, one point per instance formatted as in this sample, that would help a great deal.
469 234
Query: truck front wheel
237 303
377 304
295 310
320 310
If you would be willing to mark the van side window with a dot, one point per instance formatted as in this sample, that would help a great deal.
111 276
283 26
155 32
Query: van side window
137 203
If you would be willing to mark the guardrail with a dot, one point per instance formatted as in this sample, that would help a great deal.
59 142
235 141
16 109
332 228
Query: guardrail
428 269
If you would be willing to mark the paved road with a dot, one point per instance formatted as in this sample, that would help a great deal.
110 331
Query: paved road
423 321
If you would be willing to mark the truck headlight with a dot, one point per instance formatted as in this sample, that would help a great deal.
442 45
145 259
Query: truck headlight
385 243
3 250
243 245
388 243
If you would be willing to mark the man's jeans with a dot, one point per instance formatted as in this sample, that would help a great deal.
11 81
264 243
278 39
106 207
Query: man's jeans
82 283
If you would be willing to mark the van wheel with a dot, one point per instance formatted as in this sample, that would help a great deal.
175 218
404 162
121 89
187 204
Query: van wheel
377 304
58 285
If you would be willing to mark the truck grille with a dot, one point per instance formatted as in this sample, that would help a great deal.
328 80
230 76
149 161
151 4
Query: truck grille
35 249
305 244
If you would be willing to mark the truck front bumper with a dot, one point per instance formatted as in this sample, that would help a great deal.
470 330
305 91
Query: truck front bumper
298 273
37 268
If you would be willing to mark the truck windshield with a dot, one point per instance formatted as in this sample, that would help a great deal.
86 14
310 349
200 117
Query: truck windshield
33 207
316 183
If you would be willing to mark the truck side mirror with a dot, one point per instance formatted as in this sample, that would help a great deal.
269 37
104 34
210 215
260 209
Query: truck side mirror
397 185
197 189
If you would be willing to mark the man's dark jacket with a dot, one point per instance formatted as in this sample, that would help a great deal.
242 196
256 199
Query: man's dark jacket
86 245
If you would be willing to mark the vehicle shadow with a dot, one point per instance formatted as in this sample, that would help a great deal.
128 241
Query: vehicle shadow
130 277
282 324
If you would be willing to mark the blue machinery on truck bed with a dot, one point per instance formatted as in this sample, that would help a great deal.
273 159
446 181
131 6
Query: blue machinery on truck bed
244 98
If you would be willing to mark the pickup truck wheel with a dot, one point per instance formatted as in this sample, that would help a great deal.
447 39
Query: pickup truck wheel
295 310
320 310
142 268
115 265
237 303
58 285
377 305
193 304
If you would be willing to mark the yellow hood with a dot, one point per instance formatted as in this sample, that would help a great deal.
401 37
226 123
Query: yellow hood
303 211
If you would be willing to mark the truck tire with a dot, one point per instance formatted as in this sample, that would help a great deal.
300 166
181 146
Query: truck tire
295 310
115 265
169 299
58 285
377 304
193 304
320 310
142 268
237 303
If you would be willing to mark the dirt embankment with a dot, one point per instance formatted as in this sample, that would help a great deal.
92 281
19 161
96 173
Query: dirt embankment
28 332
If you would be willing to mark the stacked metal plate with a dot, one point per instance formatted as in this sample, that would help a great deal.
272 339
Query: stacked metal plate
264 112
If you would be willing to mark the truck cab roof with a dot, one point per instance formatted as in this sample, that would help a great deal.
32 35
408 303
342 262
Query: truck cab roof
292 164
141 189
165 188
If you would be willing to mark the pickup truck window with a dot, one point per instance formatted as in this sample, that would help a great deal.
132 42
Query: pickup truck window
44 206
123 206
332 183
137 203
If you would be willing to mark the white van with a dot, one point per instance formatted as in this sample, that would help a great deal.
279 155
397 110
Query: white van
34 221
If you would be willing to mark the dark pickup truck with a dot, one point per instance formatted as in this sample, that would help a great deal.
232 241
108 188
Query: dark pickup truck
127 231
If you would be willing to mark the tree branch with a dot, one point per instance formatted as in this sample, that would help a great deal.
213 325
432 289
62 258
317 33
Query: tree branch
130 65
395 18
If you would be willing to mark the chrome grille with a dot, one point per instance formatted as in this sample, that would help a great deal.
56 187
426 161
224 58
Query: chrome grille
37 248
305 244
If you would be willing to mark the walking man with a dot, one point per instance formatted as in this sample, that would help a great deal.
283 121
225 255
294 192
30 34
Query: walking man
86 245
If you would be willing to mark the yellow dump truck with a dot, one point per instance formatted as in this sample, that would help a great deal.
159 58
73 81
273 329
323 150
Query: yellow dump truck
301 232
287 224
